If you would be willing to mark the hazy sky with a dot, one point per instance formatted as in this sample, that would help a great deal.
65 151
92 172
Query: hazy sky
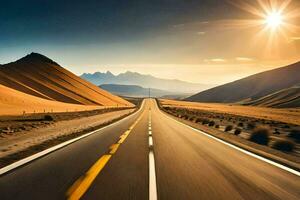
206 41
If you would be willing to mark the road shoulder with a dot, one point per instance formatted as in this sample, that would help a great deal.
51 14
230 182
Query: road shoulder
19 147
268 153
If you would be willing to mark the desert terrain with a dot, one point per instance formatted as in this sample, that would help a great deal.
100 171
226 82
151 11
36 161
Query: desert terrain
237 124
23 136
13 102
150 100
43 104
286 115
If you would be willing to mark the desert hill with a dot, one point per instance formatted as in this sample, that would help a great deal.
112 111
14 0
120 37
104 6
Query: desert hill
253 87
39 76
286 98
13 102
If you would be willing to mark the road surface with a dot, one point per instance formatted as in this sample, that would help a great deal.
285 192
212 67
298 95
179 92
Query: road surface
154 153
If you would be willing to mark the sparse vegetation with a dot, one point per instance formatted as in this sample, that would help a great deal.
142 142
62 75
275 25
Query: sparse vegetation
260 136
211 123
276 132
251 126
228 128
198 120
48 118
191 118
237 131
280 135
286 126
185 116
284 145
295 135
205 121
241 124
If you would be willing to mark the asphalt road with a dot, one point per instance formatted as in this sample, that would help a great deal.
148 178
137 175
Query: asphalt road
188 165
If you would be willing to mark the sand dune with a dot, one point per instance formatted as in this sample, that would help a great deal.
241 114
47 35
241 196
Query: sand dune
39 76
13 102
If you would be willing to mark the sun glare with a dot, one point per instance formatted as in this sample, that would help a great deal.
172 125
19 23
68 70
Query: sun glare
274 20
274 17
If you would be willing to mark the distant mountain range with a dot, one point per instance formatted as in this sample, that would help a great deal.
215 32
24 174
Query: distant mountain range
145 81
275 88
137 91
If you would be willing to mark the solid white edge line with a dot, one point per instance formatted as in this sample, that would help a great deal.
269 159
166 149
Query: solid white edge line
295 172
59 146
152 177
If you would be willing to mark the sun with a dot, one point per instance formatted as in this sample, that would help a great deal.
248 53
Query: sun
274 20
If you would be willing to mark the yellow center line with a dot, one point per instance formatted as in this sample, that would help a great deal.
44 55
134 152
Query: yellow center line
122 139
86 181
114 148
77 190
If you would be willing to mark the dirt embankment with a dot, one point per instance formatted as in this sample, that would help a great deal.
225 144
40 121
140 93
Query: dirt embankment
290 116
40 134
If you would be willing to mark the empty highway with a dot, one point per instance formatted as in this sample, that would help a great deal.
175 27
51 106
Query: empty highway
148 155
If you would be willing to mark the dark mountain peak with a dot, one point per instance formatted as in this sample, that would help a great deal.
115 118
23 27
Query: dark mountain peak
144 80
36 57
109 73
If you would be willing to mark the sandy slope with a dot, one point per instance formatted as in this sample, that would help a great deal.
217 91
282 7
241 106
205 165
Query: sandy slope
13 102
39 76
16 142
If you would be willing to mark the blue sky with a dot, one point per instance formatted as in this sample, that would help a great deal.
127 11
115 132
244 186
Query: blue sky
165 38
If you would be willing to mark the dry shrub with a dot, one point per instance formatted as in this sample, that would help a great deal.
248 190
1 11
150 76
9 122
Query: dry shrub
48 118
211 123
241 124
237 131
228 128
198 120
251 126
295 135
205 121
284 145
260 135
191 118
276 132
